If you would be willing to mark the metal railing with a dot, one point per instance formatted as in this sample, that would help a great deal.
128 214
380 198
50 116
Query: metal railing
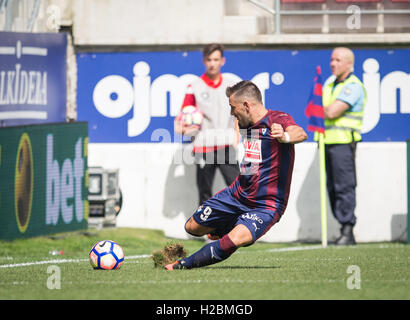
277 12
11 6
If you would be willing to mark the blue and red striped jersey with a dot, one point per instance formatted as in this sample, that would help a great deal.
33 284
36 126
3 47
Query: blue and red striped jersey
266 169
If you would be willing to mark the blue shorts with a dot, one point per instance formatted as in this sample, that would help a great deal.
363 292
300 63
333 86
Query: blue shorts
223 212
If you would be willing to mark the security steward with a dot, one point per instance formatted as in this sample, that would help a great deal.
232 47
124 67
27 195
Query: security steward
344 98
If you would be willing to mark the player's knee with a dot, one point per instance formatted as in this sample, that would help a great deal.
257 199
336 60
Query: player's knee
241 236
188 227
244 242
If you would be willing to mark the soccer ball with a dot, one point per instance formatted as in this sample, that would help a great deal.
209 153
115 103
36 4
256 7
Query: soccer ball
191 115
107 255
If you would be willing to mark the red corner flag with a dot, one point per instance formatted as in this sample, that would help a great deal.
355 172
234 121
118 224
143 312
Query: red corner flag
314 110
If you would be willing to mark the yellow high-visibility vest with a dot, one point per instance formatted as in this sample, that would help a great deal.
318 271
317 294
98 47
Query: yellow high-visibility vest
346 128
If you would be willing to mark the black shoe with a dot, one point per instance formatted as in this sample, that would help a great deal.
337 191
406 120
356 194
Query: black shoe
177 265
345 241
347 237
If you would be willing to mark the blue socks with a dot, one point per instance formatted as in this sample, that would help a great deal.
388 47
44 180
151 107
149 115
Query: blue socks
211 253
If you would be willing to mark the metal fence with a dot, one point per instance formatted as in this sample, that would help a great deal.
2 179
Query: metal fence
326 10
18 15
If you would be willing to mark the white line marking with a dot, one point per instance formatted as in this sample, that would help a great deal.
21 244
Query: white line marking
26 264
140 256
295 248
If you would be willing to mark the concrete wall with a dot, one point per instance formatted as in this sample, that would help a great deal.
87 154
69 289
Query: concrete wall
160 192
196 22
130 22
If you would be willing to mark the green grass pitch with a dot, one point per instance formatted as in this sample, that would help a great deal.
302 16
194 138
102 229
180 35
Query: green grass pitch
264 271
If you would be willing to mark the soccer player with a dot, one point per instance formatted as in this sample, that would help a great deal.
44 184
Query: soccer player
243 212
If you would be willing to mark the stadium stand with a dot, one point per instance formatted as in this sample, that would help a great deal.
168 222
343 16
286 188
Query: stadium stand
303 1
232 21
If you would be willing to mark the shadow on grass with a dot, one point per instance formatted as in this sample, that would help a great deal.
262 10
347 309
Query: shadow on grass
241 267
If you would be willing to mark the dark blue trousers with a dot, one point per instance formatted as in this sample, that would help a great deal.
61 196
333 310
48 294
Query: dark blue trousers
341 181
223 159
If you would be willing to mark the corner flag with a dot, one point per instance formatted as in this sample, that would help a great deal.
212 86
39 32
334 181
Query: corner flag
315 113
314 110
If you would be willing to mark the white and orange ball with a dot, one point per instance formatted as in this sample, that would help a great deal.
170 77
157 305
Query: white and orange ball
191 115
107 255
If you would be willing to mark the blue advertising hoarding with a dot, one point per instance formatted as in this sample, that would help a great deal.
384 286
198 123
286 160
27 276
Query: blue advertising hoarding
134 96
32 78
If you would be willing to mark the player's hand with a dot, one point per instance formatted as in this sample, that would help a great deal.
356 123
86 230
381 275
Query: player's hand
181 128
190 130
178 126
276 131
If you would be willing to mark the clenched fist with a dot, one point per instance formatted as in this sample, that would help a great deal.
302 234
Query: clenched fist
278 132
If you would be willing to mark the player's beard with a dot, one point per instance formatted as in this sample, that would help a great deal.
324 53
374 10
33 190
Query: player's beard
244 124
241 126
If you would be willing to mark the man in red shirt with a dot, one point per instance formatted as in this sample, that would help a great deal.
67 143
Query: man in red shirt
215 142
